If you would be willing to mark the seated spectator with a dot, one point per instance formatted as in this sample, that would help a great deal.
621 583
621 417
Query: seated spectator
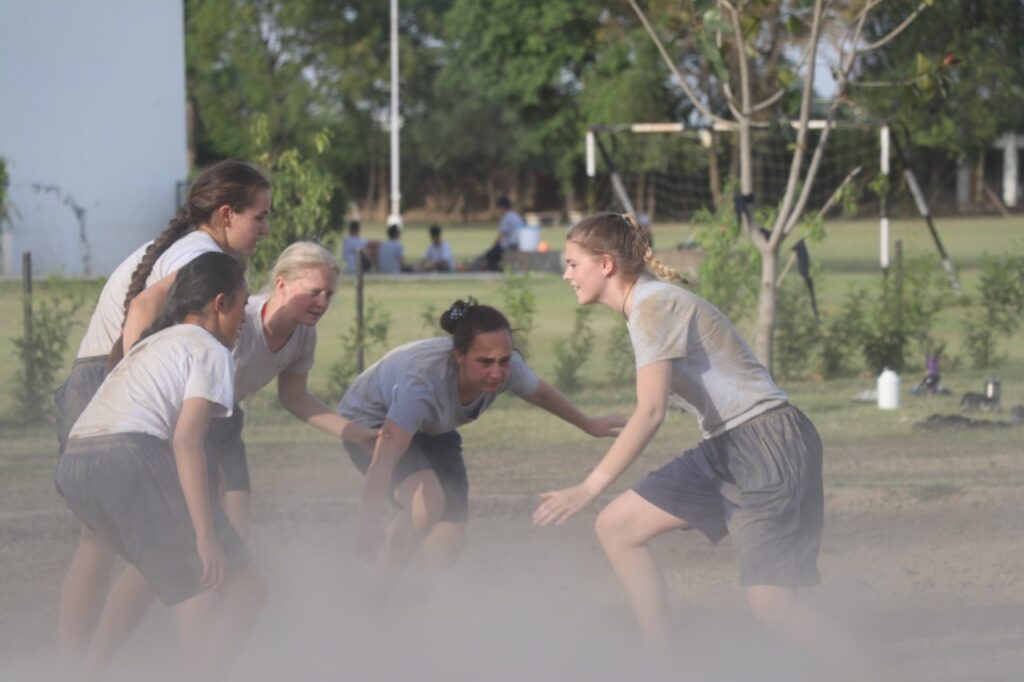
438 256
390 258
350 248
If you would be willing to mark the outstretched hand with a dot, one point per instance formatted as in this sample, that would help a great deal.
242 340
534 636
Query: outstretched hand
605 426
559 506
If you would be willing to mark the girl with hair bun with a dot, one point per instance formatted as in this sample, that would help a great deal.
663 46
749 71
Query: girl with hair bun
755 476
135 468
225 211
417 395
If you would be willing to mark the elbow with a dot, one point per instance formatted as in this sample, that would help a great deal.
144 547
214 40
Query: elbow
653 415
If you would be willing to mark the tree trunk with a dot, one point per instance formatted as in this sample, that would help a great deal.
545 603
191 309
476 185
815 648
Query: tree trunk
765 329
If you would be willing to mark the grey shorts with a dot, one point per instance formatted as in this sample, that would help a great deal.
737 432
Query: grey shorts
441 454
126 488
75 393
759 482
225 451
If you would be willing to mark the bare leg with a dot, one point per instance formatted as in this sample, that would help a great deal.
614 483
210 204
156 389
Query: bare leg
129 598
213 625
625 527
443 546
237 506
809 629
81 597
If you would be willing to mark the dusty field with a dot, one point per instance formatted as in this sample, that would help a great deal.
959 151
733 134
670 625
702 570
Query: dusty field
927 573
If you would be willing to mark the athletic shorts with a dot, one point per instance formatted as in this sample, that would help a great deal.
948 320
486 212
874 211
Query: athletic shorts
759 482
125 487
441 454
225 452
75 393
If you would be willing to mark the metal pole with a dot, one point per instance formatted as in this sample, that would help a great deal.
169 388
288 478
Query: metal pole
26 302
360 341
395 218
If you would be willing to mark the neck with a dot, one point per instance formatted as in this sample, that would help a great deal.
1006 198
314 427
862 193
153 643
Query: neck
217 235
618 295
276 322
467 393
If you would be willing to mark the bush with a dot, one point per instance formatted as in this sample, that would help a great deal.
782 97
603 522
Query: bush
730 270
376 324
571 353
1002 302
621 361
796 330
839 338
41 351
520 306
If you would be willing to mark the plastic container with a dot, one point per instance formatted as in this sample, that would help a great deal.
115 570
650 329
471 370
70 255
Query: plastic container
529 238
888 390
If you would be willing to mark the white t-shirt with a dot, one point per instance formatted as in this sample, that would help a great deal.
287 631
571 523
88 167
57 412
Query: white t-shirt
416 386
145 391
255 365
715 375
439 253
108 318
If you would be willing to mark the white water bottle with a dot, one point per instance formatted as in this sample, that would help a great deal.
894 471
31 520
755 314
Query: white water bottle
888 390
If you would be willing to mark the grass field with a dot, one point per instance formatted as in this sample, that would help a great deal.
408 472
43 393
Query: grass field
923 554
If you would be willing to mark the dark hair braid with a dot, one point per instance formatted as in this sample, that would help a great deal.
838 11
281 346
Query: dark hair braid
465 319
232 183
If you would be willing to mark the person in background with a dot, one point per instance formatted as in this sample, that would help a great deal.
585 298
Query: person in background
438 256
351 245
508 234
391 259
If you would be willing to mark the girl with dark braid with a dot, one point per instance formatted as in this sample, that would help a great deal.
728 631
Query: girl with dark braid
135 470
225 211
755 476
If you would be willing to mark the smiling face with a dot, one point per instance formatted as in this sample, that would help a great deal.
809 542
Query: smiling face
244 229
485 366
586 271
307 297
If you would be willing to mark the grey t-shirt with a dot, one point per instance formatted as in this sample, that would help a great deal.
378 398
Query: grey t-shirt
389 258
416 387
715 375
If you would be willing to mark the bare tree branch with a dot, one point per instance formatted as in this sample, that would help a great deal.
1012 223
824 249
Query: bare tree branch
896 31
672 66
769 102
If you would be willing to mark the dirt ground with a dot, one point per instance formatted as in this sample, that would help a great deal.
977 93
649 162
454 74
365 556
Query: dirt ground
929 580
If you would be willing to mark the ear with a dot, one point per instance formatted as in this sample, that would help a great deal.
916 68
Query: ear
459 356
280 283
221 303
224 213
608 267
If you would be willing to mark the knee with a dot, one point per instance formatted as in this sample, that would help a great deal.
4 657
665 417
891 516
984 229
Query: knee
614 526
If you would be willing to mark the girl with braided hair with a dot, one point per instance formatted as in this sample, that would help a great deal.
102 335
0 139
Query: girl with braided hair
755 476
225 211
417 395
135 469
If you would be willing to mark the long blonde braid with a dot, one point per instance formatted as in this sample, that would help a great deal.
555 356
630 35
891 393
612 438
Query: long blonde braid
621 236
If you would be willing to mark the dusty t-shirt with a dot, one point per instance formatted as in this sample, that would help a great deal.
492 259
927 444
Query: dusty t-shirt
255 365
416 387
715 375
144 392
108 318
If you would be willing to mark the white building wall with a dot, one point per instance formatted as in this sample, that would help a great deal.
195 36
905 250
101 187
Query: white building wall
92 125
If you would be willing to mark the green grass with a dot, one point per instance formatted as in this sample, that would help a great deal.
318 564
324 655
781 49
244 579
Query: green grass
524 449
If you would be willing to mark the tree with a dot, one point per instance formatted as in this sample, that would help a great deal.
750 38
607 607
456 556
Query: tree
749 44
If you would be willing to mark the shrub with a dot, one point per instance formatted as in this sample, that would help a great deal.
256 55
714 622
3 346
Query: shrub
1002 301
572 352
796 330
40 351
376 324
520 306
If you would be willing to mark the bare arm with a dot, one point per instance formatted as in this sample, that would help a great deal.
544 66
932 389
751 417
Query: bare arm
294 394
652 386
143 310
390 446
552 400
190 458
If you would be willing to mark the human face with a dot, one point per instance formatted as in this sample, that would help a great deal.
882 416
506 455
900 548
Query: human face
484 367
243 230
307 297
230 315
586 272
